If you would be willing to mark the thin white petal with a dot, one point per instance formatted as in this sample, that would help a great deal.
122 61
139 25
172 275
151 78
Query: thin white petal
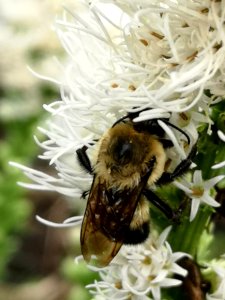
183 187
169 282
194 208
156 293
160 277
58 225
219 165
173 138
163 236
221 135
73 219
43 77
210 201
155 113
197 178
178 255
213 181
176 269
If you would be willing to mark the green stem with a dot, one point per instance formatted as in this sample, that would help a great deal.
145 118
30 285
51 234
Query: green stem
186 237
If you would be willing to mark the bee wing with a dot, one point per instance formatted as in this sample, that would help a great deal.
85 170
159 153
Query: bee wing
106 220
93 239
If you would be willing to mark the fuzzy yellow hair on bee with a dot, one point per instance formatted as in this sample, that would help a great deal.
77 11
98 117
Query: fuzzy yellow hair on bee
131 158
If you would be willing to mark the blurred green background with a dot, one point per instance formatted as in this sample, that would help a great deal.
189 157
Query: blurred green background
36 262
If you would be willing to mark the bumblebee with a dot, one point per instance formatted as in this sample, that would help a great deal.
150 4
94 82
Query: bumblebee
131 158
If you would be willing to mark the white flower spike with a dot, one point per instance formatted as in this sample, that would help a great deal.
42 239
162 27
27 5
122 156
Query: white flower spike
144 54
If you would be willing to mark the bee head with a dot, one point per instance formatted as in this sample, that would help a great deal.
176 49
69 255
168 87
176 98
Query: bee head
122 150
125 154
125 146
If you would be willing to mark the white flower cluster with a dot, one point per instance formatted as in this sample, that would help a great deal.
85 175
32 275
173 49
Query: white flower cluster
155 55
159 58
140 272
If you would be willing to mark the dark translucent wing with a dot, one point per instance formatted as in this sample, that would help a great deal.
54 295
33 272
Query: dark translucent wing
94 241
120 209
107 218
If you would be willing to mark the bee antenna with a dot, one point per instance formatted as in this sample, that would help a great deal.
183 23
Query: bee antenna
178 129
120 120
133 115
130 115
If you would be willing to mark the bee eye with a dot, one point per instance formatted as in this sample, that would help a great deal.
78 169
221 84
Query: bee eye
123 152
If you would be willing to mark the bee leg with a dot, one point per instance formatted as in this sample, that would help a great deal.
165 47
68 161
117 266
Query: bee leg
84 160
166 143
135 236
179 170
172 214
84 194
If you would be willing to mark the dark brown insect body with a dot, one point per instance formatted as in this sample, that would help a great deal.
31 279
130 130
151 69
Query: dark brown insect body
193 287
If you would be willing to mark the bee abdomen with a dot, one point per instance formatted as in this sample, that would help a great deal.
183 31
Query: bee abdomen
137 235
